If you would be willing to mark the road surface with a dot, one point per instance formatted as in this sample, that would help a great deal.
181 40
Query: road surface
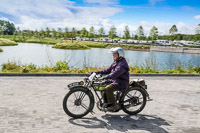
34 105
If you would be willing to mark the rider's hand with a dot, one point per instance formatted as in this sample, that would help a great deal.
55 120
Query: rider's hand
106 77
95 72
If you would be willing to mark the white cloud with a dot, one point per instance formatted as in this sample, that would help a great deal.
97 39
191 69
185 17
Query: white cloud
4 18
39 14
120 29
197 17
153 2
188 8
102 2
163 27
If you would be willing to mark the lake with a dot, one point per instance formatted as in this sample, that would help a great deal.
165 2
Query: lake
41 55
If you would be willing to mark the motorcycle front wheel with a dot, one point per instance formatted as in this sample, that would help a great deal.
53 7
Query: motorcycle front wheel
133 101
78 102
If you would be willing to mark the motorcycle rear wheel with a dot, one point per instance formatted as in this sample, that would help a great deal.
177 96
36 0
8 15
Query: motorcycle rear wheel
134 101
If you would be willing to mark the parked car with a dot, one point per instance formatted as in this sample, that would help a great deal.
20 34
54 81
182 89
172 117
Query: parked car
130 41
110 40
122 41
96 40
103 39
164 42
86 39
79 38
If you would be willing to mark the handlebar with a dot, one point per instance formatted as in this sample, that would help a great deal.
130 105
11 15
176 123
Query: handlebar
96 78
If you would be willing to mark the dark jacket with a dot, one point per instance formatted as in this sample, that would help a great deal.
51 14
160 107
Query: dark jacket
118 72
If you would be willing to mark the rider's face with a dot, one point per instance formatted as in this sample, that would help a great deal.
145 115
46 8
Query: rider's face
115 56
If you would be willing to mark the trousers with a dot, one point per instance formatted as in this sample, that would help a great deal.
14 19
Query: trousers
109 89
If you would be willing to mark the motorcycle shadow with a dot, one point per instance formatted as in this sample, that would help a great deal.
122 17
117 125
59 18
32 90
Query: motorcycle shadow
124 123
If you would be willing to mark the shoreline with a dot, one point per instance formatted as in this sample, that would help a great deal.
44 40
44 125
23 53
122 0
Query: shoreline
170 49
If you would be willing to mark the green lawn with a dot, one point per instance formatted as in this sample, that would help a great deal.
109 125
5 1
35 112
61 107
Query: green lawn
7 42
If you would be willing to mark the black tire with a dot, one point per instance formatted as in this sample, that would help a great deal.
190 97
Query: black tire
129 101
77 102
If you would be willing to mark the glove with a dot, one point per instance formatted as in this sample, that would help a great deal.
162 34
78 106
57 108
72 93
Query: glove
106 77
95 72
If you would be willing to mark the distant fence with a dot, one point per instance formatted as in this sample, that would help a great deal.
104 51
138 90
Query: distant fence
175 49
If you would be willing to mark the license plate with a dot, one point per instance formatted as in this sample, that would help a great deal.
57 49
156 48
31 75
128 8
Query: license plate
73 84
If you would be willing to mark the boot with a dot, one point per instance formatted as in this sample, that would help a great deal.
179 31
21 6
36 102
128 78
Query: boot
113 108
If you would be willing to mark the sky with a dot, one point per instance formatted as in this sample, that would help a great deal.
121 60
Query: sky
39 14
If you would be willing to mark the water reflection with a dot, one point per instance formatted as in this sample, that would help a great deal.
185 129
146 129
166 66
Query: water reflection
42 55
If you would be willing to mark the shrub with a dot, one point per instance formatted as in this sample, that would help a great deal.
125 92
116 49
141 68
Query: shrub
197 69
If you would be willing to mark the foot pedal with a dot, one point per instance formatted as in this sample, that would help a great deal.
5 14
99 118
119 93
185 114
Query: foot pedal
149 99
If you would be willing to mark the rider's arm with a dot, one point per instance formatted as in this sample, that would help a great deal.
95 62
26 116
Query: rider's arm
106 71
117 72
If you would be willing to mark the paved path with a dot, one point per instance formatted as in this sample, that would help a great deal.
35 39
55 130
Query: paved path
34 105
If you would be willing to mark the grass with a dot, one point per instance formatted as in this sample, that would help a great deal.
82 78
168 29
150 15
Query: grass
25 39
42 40
7 42
94 44
1 50
63 67
90 44
76 45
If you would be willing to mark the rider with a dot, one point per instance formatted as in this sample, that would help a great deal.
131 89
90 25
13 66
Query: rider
118 75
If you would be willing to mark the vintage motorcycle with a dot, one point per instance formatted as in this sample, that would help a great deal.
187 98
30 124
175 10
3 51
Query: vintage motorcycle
79 101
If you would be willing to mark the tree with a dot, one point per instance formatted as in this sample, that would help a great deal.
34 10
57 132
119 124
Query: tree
173 30
53 33
126 33
42 33
59 33
73 33
112 32
1 30
154 33
197 29
66 34
84 32
101 32
47 32
91 32
7 28
140 33
36 34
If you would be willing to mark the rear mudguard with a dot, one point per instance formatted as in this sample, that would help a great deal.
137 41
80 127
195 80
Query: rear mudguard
145 91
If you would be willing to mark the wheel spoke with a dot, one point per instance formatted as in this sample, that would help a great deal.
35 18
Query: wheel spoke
75 96
82 95
129 96
84 106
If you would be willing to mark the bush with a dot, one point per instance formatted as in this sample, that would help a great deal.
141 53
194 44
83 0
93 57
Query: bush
197 69
61 66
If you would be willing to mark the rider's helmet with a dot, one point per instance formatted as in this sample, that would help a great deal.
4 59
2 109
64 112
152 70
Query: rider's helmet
118 50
